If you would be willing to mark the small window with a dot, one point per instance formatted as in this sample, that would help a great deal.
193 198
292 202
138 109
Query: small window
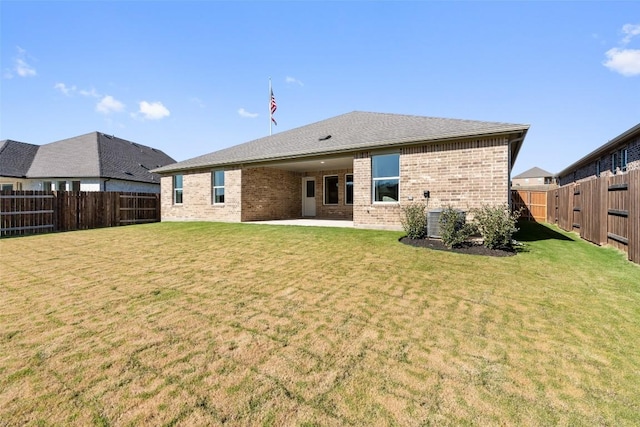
348 189
217 184
331 190
46 185
614 163
385 172
177 189
6 187
598 166
62 186
623 159
75 185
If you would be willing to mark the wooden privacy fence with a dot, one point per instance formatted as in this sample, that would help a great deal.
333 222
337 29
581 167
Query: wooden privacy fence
533 204
30 212
605 211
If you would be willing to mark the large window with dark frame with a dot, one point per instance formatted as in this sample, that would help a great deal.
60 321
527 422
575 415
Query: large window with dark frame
217 184
623 159
348 189
331 190
385 173
177 189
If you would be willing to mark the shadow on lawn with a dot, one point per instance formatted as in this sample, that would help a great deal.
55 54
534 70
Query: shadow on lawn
531 231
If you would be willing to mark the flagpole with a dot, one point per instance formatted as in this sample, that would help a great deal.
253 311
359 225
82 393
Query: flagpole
269 106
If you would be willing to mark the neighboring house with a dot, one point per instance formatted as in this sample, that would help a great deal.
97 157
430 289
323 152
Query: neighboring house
619 155
533 178
15 160
358 166
91 162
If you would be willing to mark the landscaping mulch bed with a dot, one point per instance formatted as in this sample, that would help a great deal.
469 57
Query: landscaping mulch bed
471 248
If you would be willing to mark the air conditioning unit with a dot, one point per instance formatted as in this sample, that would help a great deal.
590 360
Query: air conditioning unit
433 221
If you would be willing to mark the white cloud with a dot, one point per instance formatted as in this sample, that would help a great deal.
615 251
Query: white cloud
153 110
245 113
630 31
20 66
293 80
66 90
108 105
89 93
623 61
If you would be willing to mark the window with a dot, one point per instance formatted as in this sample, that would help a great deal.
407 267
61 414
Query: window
331 190
6 187
46 185
385 172
598 166
217 184
62 185
623 159
75 185
348 189
177 189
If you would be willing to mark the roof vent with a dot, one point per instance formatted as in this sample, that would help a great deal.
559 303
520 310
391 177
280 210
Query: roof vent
127 173
324 138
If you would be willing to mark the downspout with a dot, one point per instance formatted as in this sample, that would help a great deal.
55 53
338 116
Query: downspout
509 167
105 184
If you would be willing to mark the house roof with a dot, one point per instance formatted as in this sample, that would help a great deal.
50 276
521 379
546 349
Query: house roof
16 158
98 155
534 173
619 140
347 133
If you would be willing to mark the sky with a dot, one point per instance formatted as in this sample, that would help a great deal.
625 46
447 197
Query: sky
192 77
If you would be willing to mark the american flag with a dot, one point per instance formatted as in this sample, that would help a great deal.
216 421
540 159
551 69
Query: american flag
273 106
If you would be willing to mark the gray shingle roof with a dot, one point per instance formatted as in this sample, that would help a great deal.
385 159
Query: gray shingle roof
348 132
16 158
534 173
94 155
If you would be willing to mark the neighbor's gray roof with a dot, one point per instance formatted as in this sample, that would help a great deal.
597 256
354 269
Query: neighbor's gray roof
16 158
348 132
97 155
533 173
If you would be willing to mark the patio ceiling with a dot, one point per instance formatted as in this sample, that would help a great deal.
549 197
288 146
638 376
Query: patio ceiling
315 164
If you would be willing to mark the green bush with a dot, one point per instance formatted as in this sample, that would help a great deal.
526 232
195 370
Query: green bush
496 225
454 230
414 220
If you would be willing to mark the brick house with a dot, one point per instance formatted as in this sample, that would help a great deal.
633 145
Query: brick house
619 155
358 166
90 162
534 178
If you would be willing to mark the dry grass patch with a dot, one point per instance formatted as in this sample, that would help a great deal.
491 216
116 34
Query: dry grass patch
211 324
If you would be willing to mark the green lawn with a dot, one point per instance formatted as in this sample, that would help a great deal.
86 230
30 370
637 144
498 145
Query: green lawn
243 324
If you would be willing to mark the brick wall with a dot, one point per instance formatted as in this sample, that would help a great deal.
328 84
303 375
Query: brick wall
269 194
197 201
464 174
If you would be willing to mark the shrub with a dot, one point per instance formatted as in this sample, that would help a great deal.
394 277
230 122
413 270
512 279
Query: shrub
454 230
414 220
496 225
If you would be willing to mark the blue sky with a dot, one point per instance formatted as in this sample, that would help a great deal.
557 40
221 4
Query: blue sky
192 77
